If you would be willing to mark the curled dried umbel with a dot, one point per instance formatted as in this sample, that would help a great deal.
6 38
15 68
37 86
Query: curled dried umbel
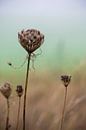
30 40
6 92
66 80
19 92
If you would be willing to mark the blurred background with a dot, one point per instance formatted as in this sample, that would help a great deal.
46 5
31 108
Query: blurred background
63 23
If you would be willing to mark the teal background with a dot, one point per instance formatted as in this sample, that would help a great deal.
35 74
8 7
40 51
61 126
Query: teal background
62 22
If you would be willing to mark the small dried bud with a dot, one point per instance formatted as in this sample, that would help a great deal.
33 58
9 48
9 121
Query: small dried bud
6 90
19 90
66 80
30 39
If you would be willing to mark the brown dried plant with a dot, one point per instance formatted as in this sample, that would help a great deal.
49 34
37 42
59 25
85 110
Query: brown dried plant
19 92
66 80
6 92
30 40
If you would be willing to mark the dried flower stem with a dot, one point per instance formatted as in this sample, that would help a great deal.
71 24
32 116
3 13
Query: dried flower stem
7 120
18 113
63 112
25 92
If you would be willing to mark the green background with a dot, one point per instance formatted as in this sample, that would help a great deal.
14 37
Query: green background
62 22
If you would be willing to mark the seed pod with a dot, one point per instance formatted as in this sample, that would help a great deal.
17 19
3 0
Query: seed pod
6 90
66 80
30 39
19 90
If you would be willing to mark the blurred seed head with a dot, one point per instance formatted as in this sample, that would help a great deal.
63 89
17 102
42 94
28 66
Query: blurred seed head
66 80
19 90
6 90
30 39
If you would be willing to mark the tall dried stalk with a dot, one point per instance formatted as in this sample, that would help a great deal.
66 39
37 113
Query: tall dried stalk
30 40
6 92
66 80
25 94
19 92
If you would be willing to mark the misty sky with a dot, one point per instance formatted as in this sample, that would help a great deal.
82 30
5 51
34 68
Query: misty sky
63 23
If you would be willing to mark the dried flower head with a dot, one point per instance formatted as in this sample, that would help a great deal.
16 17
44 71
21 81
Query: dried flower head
19 90
66 80
6 90
30 39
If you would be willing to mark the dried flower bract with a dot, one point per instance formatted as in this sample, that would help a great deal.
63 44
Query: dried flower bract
30 39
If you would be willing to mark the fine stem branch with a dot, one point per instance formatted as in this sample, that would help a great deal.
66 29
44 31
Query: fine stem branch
18 113
25 93
7 120
63 112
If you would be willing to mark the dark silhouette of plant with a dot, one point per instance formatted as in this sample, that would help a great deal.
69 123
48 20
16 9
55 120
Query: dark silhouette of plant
30 40
66 80
19 91
6 92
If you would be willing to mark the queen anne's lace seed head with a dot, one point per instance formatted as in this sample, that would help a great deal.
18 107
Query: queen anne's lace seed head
6 90
30 39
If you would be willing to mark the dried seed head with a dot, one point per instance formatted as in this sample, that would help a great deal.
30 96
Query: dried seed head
66 80
6 90
30 39
19 90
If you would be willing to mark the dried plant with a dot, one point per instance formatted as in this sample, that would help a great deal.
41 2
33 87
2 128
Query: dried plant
66 80
6 92
19 92
30 40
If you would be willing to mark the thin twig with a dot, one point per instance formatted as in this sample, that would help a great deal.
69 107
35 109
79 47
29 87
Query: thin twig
63 112
18 113
25 93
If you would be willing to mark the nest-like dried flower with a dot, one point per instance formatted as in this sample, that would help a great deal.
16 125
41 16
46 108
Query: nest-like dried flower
6 90
66 80
19 90
30 39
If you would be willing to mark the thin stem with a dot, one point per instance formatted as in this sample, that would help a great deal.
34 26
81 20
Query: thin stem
18 113
7 120
63 112
25 93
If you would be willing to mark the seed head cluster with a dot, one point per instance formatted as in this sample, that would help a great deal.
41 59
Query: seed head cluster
30 39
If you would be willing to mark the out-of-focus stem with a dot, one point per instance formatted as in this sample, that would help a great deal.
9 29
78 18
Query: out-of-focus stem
18 113
7 120
63 112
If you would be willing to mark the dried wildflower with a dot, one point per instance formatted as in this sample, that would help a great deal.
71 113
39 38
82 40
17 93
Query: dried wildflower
6 90
66 80
19 90
30 39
